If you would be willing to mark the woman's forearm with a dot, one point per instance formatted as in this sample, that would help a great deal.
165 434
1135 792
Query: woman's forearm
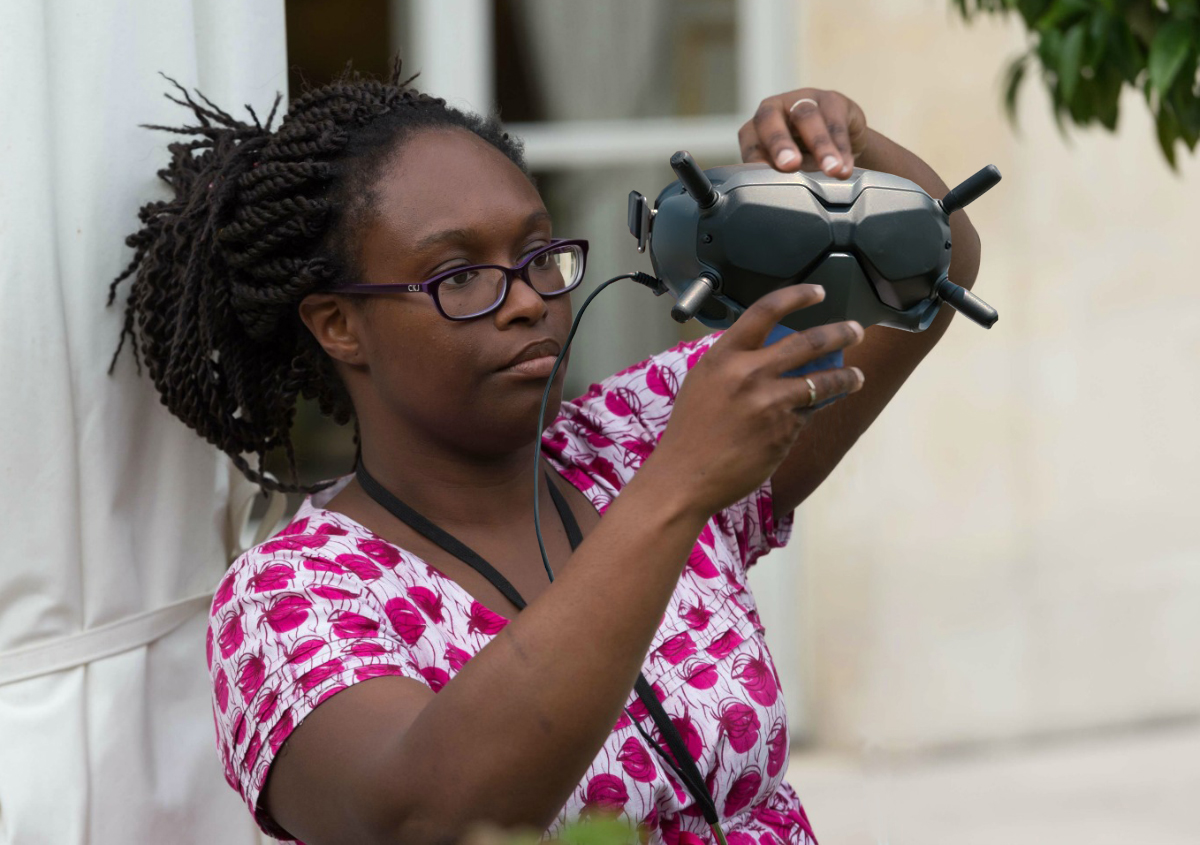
512 735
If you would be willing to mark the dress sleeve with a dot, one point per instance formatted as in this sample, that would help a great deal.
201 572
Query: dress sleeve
292 624
639 399
636 404
753 527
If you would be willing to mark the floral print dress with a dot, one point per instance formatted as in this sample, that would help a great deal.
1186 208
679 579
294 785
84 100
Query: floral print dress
326 604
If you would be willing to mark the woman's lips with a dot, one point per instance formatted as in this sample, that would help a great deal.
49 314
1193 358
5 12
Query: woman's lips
534 367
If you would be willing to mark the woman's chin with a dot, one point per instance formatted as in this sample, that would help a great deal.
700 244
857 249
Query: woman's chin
513 431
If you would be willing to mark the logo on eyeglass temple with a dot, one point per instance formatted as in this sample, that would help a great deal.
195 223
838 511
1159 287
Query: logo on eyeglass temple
414 287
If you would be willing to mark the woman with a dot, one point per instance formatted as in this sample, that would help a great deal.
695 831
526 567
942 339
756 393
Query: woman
370 685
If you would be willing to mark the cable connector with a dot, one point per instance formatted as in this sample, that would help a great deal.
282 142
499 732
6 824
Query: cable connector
655 285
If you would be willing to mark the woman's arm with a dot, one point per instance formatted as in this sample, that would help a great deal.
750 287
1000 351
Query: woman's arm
508 739
510 736
836 127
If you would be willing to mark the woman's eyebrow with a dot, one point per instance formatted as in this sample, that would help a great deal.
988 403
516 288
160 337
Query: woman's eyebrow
466 236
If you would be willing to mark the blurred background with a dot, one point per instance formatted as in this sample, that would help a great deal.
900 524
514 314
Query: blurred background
988 620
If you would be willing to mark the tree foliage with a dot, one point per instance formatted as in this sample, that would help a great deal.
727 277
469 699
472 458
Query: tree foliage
1089 50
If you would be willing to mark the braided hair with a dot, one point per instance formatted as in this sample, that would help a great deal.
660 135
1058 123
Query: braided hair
258 220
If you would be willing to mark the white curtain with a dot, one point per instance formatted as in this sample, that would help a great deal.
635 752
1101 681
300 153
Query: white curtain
111 507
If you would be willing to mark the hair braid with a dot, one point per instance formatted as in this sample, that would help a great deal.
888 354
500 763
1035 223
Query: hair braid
257 220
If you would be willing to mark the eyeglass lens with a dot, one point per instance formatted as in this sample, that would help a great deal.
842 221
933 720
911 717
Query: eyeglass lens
475 291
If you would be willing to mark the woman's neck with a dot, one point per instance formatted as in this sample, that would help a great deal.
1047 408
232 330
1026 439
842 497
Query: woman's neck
452 487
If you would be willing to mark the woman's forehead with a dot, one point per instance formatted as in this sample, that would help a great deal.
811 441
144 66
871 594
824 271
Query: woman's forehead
443 180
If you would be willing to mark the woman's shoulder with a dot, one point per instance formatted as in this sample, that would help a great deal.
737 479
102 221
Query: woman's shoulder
310 532
322 605
326 553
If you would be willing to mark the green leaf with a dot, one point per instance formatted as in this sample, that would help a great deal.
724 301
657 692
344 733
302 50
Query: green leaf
1049 48
1186 108
1100 38
1127 52
1169 51
1070 61
1082 106
1031 10
1060 12
1014 76
1168 134
598 831
1184 8
1088 51
1109 85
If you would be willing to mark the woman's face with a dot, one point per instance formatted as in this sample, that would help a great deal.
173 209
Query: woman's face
447 199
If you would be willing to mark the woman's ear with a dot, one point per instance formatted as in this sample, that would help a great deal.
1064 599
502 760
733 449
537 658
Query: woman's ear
334 325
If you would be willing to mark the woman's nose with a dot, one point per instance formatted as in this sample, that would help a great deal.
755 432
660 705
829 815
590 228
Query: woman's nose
521 303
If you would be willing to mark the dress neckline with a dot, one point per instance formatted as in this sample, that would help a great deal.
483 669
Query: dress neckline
599 496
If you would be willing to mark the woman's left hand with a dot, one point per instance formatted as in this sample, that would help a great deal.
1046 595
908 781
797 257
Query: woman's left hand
806 129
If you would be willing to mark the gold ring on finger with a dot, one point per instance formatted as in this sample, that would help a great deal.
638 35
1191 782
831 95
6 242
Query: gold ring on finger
805 100
812 392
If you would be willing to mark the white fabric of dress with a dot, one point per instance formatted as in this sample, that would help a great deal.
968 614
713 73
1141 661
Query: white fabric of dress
112 508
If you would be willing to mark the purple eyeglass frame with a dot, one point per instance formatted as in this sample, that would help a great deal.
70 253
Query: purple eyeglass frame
521 271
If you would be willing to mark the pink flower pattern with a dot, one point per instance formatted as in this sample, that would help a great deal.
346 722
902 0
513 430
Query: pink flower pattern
326 604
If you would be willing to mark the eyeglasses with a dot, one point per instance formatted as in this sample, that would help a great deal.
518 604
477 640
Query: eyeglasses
464 293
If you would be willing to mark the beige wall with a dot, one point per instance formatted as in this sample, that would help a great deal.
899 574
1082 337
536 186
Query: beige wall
1013 548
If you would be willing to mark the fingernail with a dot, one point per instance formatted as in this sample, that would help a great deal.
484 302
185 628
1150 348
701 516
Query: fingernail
786 157
861 377
831 163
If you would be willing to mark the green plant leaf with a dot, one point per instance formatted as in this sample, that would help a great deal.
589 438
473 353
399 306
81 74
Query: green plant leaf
1127 52
598 831
1060 12
1109 84
1014 76
1100 37
1169 51
1087 51
1031 10
1168 134
1070 61
1184 8
1186 107
1049 48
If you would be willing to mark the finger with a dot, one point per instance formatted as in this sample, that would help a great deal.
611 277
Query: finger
804 347
751 150
775 136
837 120
750 330
808 122
758 156
857 127
827 384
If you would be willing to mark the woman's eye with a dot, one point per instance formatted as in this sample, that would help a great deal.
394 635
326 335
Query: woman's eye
460 278
542 261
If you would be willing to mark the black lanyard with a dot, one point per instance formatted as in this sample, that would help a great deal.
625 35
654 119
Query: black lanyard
683 765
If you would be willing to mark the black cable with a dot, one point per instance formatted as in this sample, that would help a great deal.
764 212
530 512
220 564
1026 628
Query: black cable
641 278
679 761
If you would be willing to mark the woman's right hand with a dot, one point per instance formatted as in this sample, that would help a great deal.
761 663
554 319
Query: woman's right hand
736 417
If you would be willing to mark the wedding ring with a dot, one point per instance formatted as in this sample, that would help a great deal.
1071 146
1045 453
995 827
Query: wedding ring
812 392
804 100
